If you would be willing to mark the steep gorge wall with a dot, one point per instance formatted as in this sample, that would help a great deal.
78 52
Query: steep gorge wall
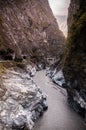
75 61
28 28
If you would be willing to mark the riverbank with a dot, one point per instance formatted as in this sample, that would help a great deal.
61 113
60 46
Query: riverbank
21 100
60 116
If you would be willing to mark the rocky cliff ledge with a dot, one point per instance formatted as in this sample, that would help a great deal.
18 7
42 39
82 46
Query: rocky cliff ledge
28 29
75 61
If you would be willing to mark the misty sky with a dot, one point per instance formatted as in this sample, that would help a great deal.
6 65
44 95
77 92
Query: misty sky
59 7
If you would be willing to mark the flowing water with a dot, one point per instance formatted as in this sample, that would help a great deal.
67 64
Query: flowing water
59 115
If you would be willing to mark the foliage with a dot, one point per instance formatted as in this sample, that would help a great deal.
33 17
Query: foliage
77 29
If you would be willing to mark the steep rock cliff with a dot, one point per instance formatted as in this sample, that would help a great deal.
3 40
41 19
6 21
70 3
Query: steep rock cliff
75 59
28 29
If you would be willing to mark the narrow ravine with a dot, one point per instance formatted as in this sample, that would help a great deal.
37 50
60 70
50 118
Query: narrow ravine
59 115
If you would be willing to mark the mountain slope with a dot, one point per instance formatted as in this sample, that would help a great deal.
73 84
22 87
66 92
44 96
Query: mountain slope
28 28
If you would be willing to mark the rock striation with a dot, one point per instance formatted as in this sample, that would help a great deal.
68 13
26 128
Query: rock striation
21 101
29 29
75 57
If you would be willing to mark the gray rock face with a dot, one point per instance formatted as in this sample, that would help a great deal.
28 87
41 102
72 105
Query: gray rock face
21 103
58 78
73 8
28 29
75 61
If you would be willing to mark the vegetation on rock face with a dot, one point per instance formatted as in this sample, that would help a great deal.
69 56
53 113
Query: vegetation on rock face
76 42
5 65
77 28
2 69
75 61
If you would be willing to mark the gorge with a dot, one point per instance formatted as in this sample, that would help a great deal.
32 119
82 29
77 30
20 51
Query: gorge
30 41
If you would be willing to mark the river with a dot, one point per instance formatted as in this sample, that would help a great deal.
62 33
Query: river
59 115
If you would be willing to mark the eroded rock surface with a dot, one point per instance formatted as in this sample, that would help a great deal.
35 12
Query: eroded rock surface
75 61
21 101
29 29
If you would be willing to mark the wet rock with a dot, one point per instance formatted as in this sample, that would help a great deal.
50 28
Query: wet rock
39 110
44 104
58 78
83 94
34 116
19 123
49 72
40 67
33 71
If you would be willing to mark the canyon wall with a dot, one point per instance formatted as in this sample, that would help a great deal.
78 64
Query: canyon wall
75 57
29 29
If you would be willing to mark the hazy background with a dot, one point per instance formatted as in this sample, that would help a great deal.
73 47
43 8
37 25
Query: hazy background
60 10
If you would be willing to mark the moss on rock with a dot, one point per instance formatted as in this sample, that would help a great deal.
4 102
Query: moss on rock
75 56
